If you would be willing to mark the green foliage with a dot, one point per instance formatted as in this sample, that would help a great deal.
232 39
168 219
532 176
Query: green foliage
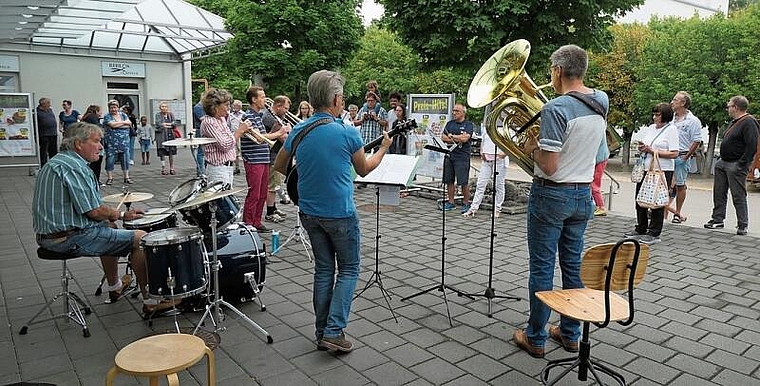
614 71
278 44
466 33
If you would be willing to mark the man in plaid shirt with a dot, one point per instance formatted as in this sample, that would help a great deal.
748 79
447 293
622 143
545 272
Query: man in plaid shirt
372 117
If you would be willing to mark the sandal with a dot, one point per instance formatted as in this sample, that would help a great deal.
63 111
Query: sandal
128 181
163 172
109 181
677 219
172 171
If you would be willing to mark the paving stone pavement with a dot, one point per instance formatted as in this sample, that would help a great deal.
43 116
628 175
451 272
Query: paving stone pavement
697 319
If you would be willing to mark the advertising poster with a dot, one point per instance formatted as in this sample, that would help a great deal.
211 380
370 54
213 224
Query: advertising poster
16 127
431 111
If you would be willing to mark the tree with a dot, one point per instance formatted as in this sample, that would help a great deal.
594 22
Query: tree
712 59
279 44
614 71
466 33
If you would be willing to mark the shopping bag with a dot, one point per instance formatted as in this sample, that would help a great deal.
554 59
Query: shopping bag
653 193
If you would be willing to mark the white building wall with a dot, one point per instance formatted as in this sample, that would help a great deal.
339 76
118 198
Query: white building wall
682 9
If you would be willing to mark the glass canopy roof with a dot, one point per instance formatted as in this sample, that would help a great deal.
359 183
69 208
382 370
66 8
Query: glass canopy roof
145 26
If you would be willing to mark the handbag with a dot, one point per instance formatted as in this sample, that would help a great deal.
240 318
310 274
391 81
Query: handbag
653 193
177 133
637 174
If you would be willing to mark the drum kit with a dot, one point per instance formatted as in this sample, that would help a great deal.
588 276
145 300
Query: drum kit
212 256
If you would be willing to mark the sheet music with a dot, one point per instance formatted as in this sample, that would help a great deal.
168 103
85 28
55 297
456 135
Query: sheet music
394 169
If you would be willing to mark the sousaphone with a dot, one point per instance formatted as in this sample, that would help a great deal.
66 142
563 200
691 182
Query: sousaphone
515 103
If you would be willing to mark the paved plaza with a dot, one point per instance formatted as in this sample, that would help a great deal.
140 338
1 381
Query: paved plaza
697 318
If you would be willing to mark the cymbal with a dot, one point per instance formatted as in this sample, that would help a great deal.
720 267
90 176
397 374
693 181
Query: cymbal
207 197
130 197
498 73
188 142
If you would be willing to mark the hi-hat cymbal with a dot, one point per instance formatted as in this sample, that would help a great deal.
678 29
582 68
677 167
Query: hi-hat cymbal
128 197
498 73
188 142
207 197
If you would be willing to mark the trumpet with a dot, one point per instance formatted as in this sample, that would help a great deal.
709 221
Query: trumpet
289 118
255 136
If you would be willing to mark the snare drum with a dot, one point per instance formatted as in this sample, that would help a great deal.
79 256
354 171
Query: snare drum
186 191
152 223
240 251
227 210
181 252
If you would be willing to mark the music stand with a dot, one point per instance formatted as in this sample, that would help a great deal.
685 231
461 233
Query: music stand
299 233
442 286
393 171
489 292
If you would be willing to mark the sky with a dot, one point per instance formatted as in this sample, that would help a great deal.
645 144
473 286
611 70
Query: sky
371 11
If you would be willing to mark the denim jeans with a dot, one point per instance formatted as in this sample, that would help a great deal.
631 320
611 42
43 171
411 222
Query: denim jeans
111 161
333 241
557 218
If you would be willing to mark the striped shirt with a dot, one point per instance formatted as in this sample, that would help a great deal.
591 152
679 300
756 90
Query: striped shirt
64 191
254 153
223 150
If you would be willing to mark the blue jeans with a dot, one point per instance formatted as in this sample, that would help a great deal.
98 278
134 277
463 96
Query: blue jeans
132 148
111 161
557 218
333 241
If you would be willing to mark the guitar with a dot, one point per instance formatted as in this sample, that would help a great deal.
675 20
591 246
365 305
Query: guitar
291 180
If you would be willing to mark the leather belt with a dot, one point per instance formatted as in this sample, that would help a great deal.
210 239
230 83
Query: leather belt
228 163
573 185
58 235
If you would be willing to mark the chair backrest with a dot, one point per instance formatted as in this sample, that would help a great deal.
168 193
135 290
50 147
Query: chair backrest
598 258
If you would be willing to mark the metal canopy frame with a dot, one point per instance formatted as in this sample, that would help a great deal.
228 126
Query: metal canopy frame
139 26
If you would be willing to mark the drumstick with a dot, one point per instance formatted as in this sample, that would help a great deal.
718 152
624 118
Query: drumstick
122 200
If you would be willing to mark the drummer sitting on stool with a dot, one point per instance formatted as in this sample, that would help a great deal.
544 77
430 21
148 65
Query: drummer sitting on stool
69 214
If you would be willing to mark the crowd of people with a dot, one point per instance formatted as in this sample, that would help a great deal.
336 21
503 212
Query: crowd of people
329 141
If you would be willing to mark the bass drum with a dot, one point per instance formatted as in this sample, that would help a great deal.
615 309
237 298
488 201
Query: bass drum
240 251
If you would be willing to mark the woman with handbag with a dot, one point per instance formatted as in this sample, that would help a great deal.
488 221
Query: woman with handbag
165 131
659 144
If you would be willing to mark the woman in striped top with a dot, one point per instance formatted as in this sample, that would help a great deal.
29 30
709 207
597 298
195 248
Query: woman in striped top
220 155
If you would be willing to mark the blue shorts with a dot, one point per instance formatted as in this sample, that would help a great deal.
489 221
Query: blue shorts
681 171
95 241
145 145
460 170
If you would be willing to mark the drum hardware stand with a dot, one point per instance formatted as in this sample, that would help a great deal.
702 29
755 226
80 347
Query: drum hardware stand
217 302
171 283
489 292
250 278
376 277
442 286
298 232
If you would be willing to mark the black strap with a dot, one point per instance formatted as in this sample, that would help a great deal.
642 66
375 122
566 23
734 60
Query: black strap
299 137
589 101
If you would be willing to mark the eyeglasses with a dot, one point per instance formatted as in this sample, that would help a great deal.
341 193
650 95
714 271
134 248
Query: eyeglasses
457 111
657 114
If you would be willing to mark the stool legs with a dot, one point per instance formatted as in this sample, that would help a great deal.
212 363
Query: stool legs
74 308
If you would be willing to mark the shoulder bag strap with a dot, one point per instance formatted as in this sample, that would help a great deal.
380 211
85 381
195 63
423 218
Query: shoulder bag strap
589 101
299 137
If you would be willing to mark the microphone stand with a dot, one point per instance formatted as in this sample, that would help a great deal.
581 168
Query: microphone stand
442 286
489 292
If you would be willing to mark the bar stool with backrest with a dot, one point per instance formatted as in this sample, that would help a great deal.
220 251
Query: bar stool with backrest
74 308
605 268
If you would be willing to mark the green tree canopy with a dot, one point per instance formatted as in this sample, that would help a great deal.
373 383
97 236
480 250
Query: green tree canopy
456 33
278 44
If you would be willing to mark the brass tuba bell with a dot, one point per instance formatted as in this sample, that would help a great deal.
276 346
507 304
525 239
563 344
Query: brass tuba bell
514 98
515 101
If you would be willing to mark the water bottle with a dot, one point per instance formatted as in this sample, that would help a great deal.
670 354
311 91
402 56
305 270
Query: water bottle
275 241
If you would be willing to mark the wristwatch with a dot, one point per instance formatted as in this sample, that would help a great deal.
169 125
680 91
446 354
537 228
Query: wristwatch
121 215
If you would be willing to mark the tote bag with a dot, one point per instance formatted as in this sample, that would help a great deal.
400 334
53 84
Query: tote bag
653 193
637 174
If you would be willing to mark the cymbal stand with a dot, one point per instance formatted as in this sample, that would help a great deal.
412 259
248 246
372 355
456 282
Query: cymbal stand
489 292
442 286
376 278
216 304
171 283
298 232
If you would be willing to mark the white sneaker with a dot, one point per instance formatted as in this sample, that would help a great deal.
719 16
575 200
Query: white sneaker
131 162
470 213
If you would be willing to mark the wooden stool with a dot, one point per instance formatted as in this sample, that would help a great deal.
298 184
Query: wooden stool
164 354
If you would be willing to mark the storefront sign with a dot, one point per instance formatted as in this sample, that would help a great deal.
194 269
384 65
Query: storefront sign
9 63
123 69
